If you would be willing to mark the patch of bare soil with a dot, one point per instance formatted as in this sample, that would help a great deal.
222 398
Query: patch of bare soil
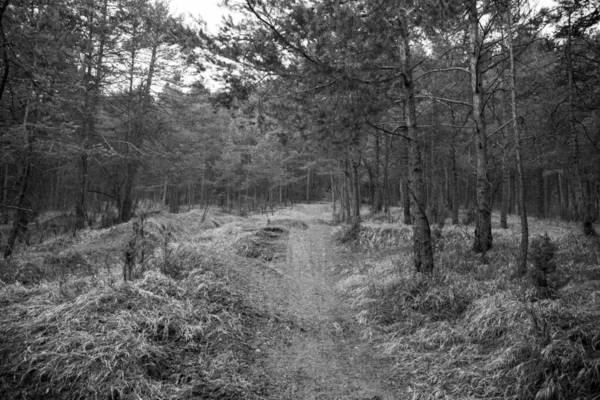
314 350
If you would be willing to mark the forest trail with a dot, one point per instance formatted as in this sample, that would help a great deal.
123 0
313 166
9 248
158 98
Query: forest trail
320 354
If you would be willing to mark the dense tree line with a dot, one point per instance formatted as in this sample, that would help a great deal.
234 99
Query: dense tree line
434 106
479 105
104 112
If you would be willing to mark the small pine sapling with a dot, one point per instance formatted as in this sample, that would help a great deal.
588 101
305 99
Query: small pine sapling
349 233
437 237
130 253
588 227
469 218
542 255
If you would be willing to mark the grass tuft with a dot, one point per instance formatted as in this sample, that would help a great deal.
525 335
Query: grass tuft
471 330
180 330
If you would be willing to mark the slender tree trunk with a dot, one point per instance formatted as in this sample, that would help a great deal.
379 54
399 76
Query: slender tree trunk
505 188
511 192
3 50
21 217
371 185
541 210
455 197
483 221
308 185
522 262
575 156
136 132
560 196
355 178
405 193
91 100
386 165
467 192
334 199
81 204
422 248
378 206
347 192
5 194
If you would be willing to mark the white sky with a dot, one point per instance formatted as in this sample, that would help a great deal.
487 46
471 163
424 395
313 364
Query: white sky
209 10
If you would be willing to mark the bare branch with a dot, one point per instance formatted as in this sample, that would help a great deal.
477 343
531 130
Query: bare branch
16 208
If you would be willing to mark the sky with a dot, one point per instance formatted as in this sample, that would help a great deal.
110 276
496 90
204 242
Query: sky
209 10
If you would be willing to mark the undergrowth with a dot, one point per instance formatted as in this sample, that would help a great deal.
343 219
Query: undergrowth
71 328
472 330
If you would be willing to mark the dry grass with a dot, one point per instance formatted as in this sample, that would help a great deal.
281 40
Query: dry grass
154 338
471 330
70 328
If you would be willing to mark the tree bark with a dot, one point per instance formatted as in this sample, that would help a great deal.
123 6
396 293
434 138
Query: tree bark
5 194
422 248
347 192
378 201
505 189
524 246
21 217
541 191
355 182
308 185
405 192
386 165
455 197
3 49
483 221
579 192
333 197
91 82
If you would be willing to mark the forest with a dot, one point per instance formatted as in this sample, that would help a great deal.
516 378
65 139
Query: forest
478 119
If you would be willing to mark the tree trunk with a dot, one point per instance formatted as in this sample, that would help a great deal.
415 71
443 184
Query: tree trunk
483 221
347 192
378 201
541 210
386 165
511 192
126 209
333 198
81 203
505 188
355 181
522 262
91 98
5 194
21 217
422 248
405 192
4 50
455 199
308 185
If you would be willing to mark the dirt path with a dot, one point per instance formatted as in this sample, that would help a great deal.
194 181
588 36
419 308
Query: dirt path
320 356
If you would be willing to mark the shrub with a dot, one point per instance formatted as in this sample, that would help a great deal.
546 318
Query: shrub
588 227
348 233
469 217
543 271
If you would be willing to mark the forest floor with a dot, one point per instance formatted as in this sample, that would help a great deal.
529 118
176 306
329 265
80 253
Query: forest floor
323 357
289 306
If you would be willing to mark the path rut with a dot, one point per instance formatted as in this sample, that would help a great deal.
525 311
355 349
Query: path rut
321 355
